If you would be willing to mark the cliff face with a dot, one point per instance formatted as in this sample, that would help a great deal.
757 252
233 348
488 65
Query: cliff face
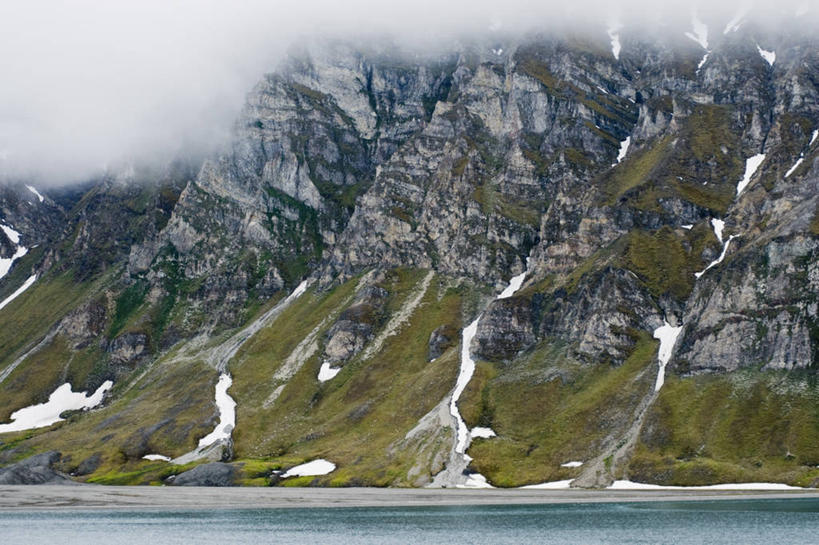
659 185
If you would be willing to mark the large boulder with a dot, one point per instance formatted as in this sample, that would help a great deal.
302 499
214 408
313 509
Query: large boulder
38 469
213 474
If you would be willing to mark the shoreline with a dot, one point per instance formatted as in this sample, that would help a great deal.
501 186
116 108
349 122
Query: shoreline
148 498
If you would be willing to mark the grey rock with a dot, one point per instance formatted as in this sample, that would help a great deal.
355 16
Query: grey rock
441 339
37 469
212 474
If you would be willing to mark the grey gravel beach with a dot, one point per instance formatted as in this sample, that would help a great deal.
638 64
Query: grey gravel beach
48 497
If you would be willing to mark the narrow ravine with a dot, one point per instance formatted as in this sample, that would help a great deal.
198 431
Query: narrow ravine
454 473
212 445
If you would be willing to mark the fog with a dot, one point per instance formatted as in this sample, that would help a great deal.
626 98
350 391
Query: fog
90 84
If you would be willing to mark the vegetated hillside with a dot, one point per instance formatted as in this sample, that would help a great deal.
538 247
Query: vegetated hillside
646 188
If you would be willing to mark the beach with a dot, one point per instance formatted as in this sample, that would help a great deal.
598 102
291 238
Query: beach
83 496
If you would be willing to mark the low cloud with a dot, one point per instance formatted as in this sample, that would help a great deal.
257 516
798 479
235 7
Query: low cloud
87 84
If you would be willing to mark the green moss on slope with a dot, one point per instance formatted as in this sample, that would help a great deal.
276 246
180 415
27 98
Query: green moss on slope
548 410
731 428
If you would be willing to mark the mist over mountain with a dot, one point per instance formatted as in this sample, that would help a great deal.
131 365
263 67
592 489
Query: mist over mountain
456 245
89 85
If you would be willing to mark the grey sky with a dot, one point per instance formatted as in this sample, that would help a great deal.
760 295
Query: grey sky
88 83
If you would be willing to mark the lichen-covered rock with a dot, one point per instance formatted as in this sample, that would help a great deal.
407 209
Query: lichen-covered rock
505 329
441 339
212 474
37 469
128 348
355 326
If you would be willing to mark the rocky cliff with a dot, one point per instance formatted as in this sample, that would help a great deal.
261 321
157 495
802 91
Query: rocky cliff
665 183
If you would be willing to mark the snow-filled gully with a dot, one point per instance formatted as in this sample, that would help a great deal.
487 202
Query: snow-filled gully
463 435
225 404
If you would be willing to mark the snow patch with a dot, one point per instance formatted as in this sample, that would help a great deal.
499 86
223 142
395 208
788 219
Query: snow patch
326 372
751 166
813 138
667 335
514 285
37 193
802 9
795 166
631 485
156 458
572 464
6 263
719 225
769 56
734 24
13 235
614 36
26 285
48 413
310 469
703 61
464 375
687 226
700 34
227 413
482 432
475 480
624 145
552 485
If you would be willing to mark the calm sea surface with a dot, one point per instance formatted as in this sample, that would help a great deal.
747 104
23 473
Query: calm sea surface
779 522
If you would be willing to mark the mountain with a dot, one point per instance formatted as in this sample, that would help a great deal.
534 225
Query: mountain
479 265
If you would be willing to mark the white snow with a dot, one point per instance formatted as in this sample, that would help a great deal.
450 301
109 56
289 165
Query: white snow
310 469
719 225
700 34
769 56
572 464
614 35
751 166
13 235
631 485
703 61
27 284
475 480
30 188
227 413
464 375
667 335
326 372
624 145
6 263
498 51
813 138
795 166
687 226
61 400
803 9
480 431
734 24
156 458
514 285
553 485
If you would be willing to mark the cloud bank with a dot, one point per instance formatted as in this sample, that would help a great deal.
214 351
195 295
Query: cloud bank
90 83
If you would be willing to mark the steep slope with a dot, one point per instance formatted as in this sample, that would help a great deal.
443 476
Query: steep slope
636 190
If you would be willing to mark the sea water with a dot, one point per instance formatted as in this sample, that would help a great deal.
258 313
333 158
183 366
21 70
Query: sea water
788 521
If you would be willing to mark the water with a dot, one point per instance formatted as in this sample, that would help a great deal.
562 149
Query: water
747 522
